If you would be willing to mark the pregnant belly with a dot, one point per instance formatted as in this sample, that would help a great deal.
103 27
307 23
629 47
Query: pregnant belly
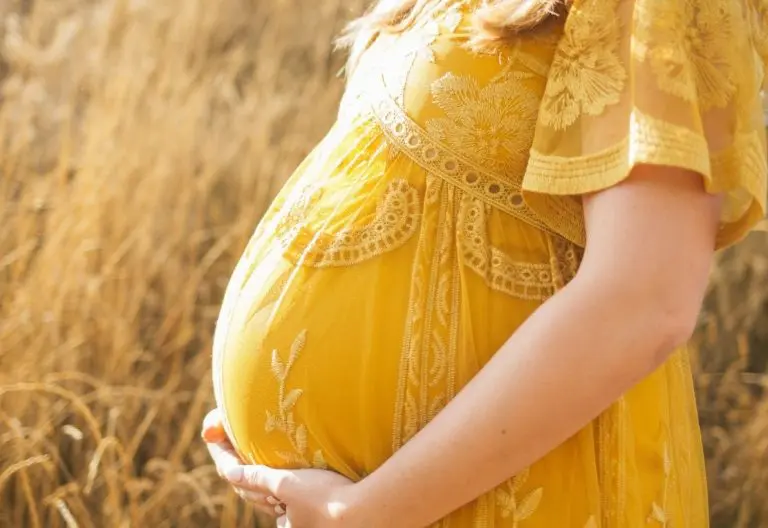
306 369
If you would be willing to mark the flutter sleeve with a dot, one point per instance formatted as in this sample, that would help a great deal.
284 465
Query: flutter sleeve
662 82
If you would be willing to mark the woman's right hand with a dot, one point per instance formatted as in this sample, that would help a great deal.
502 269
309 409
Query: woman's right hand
224 457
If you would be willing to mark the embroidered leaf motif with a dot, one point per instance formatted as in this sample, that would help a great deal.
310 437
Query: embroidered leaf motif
271 422
591 523
301 438
318 461
658 514
528 505
284 421
290 400
504 501
658 510
667 461
520 479
297 347
520 510
278 369
292 458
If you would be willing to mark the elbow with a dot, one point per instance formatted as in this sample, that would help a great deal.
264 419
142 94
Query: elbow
672 328
680 327
651 313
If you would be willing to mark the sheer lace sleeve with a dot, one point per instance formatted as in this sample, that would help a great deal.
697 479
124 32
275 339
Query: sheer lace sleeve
665 82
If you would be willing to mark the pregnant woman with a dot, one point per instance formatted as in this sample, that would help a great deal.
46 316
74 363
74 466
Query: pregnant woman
468 306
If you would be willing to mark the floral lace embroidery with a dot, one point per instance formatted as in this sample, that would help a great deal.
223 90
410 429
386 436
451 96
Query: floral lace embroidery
586 73
396 219
395 59
519 279
511 505
283 420
689 46
415 44
293 213
451 166
412 45
659 511
493 124
759 19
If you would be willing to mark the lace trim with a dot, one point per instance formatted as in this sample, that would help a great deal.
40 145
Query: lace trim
519 279
427 375
394 223
439 160
650 141
565 260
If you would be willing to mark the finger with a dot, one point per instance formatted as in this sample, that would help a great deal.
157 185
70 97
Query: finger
254 497
257 500
224 457
261 478
265 510
213 427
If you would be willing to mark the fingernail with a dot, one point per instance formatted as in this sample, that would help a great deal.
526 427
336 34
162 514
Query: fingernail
279 510
273 501
234 474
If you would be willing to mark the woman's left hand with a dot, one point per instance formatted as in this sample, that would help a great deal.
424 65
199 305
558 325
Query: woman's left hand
304 498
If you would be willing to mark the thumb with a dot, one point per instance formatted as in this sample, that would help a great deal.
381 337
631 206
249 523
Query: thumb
259 478
213 428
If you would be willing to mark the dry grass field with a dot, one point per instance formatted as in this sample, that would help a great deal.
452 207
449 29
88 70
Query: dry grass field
140 141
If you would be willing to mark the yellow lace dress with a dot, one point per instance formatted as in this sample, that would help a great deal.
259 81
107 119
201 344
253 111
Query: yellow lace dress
443 208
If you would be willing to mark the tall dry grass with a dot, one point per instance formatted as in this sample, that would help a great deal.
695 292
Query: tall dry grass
139 143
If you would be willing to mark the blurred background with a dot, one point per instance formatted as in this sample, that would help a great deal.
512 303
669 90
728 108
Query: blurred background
140 141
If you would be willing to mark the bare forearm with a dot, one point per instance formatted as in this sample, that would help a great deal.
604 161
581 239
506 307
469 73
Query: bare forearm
572 358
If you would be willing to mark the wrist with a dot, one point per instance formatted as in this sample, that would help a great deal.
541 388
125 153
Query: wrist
351 509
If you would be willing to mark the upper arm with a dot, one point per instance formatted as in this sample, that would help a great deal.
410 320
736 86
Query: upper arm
652 237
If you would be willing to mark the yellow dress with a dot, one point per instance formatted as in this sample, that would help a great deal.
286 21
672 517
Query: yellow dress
443 208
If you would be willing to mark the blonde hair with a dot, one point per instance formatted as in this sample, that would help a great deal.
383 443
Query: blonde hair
495 21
